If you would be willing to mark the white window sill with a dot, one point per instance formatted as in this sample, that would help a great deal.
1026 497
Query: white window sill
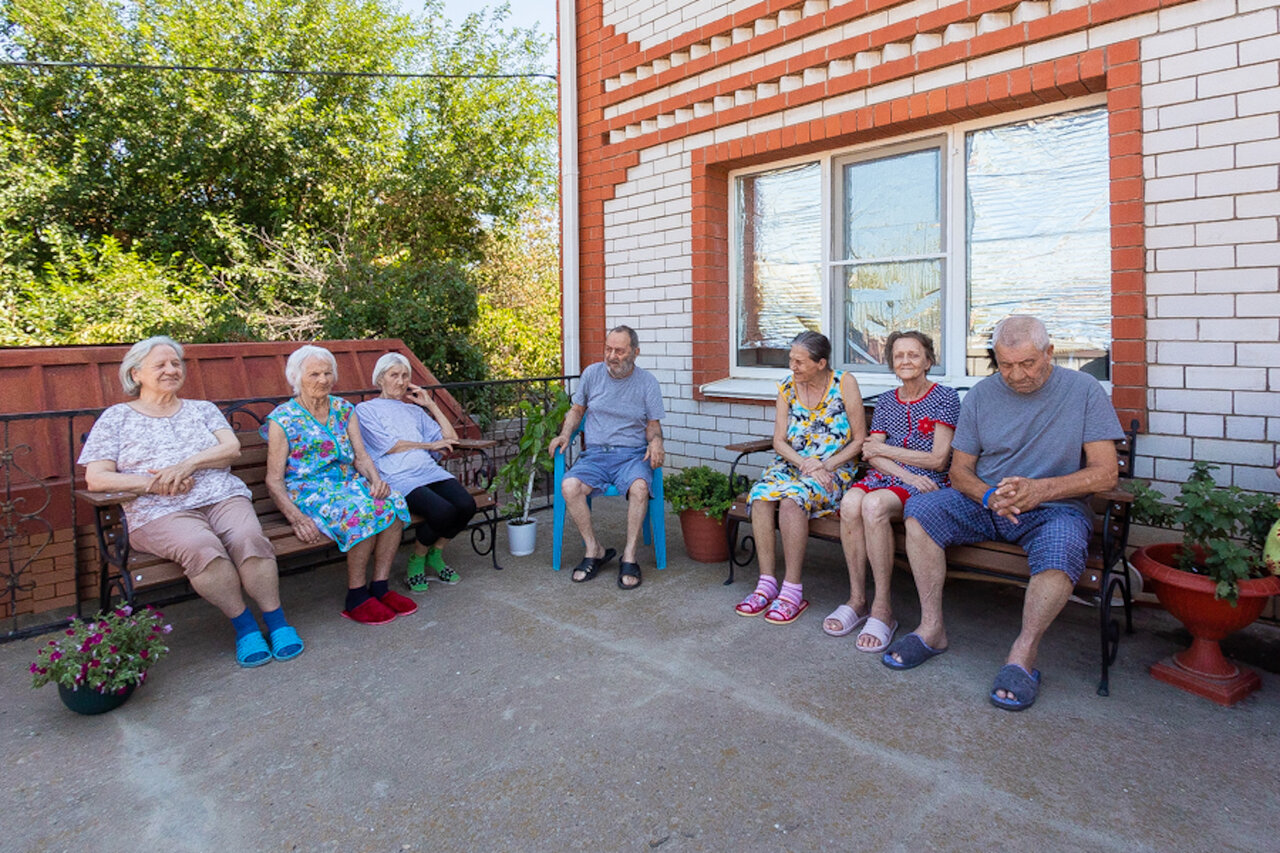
764 388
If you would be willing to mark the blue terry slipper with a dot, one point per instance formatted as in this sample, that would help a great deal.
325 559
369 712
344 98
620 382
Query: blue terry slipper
913 651
1023 685
251 650
285 643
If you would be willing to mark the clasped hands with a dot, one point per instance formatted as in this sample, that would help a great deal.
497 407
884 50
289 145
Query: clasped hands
1015 495
170 481
812 466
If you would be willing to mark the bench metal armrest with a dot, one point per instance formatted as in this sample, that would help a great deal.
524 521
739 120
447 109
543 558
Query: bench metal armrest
745 449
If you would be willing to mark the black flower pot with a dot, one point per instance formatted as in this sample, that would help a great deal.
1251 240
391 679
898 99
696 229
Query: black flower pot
86 701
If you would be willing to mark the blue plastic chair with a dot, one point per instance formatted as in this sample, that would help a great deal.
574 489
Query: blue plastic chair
655 525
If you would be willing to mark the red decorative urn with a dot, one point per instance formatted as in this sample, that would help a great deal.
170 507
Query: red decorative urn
1203 669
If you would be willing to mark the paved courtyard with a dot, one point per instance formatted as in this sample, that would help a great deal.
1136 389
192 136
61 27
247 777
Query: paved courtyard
519 711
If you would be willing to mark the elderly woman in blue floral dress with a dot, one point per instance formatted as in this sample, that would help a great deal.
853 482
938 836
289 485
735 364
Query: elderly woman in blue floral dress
324 482
818 429
908 450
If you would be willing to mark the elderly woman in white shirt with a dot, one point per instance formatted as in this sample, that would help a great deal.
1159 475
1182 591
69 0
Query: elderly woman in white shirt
175 455
405 433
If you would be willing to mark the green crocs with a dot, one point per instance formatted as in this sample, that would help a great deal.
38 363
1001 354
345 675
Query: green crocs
417 573
435 560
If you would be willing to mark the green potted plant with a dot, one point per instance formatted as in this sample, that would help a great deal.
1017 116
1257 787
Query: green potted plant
519 473
1215 580
702 497
98 662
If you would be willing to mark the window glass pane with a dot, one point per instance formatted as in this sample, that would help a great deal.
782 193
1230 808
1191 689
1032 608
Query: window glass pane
892 207
1039 238
882 298
779 218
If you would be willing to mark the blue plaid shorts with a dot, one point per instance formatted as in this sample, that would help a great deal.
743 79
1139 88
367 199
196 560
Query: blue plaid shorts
618 467
1054 537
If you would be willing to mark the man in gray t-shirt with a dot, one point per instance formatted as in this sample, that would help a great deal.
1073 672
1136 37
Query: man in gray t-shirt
622 405
1032 443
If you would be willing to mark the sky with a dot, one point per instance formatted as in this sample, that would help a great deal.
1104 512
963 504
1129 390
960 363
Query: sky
524 14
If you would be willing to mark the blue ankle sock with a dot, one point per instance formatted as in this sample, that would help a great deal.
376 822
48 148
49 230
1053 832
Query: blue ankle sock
244 624
274 619
379 588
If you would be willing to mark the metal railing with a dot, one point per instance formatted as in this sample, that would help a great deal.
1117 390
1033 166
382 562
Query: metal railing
38 497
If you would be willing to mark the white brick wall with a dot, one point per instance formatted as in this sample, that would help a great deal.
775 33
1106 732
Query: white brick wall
1212 120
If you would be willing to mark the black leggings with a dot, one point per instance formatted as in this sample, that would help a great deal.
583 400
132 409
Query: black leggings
446 508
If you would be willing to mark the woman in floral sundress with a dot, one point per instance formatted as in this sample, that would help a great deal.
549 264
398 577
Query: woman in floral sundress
324 482
819 426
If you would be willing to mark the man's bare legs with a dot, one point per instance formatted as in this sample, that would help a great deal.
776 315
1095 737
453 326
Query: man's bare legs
1047 594
575 494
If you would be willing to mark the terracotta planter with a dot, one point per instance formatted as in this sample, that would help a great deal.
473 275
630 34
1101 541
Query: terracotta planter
1203 669
705 539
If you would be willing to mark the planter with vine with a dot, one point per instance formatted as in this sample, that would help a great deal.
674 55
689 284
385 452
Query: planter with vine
1216 580
702 497
519 474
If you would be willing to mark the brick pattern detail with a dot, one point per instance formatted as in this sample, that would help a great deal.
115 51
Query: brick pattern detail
1191 91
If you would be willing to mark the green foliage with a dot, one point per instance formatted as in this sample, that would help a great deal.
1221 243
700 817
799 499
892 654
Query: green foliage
1227 524
106 653
249 206
517 476
699 488
518 328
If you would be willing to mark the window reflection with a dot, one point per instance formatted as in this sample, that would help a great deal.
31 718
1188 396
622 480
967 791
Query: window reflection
779 263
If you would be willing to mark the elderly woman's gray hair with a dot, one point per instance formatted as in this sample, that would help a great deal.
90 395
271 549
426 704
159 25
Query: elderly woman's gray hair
388 361
137 354
1019 329
293 367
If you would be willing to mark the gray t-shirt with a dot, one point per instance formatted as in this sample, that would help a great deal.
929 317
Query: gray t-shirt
1041 434
618 410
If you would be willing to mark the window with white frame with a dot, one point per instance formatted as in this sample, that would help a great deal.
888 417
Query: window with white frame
945 233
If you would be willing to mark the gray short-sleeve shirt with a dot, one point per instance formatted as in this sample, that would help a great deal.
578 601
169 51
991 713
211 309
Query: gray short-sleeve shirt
1041 434
618 410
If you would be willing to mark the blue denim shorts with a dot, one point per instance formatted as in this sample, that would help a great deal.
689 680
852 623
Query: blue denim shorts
1054 537
618 467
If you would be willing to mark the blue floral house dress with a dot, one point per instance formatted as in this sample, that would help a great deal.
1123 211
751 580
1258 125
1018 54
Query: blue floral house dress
821 432
321 478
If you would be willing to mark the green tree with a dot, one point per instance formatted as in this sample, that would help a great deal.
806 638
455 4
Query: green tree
227 180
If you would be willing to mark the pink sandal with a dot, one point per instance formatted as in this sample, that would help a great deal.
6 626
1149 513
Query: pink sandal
783 612
753 605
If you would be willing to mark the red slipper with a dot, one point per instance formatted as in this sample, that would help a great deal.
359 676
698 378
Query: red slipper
401 605
783 612
370 612
753 605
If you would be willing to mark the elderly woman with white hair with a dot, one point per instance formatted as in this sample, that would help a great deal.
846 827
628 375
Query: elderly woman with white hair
405 443
324 482
176 456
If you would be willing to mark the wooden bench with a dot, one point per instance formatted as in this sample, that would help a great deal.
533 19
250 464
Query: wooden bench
1106 570
130 571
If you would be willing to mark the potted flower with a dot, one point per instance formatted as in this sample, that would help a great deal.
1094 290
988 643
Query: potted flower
1215 580
518 475
98 662
702 496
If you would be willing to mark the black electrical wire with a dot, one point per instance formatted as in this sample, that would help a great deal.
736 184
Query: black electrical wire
212 69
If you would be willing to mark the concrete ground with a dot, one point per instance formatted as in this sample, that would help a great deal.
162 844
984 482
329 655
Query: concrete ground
519 711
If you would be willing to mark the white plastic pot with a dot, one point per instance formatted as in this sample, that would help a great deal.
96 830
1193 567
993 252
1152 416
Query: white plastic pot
522 538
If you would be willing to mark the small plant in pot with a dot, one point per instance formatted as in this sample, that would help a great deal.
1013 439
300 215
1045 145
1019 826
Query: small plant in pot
98 662
1215 580
702 496
518 476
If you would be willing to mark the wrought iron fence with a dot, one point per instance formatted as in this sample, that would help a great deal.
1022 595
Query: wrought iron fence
38 488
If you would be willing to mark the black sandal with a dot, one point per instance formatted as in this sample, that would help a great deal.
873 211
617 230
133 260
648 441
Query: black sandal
590 565
628 570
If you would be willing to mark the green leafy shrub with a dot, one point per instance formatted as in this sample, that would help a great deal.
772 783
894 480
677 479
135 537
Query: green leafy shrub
1227 524
517 476
699 488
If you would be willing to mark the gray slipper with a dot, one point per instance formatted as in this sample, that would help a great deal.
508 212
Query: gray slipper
1023 685
913 651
